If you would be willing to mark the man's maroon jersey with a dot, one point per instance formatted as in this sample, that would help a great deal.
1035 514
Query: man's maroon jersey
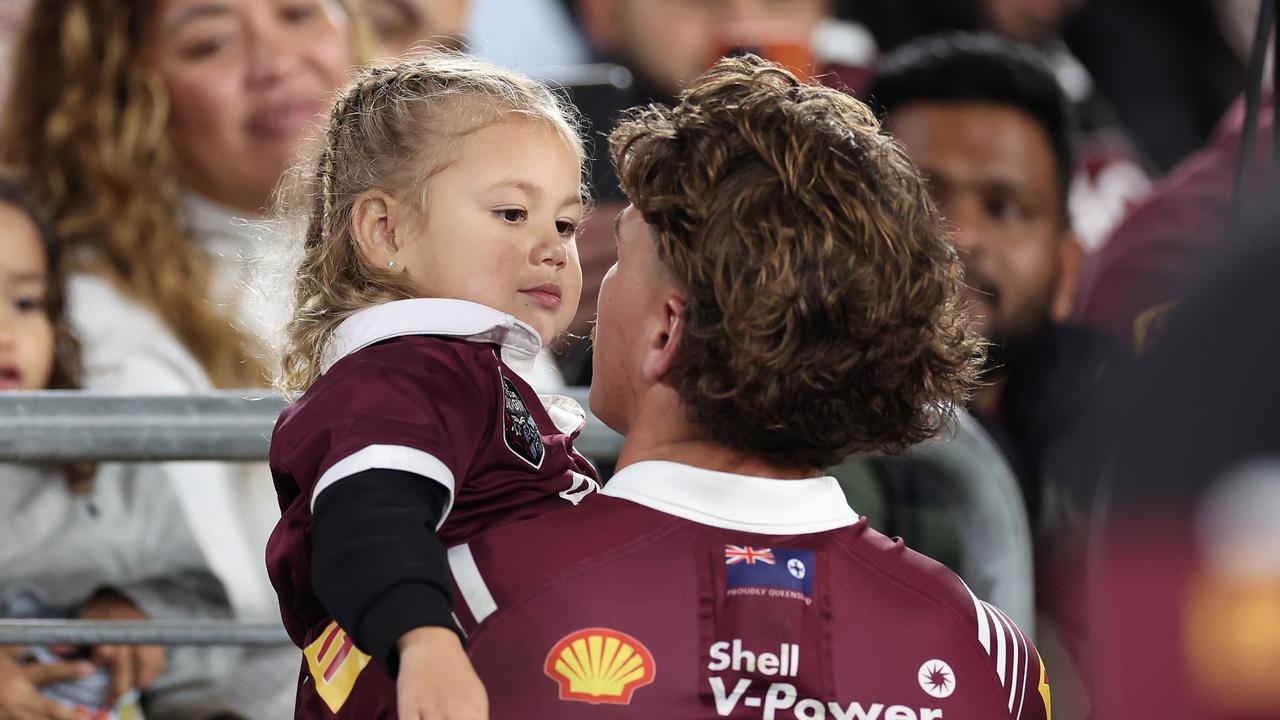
685 593
428 387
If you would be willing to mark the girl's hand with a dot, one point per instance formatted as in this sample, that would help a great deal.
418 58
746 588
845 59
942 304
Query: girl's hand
20 698
436 680
131 666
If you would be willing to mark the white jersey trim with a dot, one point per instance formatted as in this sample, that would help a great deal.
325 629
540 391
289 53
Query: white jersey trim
389 457
461 319
475 593
735 502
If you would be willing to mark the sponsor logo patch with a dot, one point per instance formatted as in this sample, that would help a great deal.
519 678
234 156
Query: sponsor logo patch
335 663
769 572
599 666
519 429
937 678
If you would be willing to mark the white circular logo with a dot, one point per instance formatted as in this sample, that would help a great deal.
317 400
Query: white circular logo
796 567
937 678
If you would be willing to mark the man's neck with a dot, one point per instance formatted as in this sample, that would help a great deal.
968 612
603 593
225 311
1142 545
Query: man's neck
661 430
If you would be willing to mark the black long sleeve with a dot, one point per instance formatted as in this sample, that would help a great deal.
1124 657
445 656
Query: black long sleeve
377 565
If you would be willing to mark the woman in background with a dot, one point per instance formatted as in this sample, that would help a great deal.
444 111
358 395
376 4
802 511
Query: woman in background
146 128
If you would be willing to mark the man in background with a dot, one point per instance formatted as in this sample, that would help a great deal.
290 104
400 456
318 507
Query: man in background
988 124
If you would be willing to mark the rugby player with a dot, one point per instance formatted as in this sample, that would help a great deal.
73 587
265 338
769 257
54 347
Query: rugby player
784 296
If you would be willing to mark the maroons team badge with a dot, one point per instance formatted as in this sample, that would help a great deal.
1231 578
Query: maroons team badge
520 431
599 666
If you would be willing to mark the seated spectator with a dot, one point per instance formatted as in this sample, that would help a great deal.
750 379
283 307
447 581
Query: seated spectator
106 543
168 122
401 25
986 122
668 43
146 139
784 296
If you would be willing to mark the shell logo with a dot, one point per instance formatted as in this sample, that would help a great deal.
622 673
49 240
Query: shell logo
599 665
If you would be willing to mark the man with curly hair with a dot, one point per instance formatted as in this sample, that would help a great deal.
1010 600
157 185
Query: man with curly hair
784 296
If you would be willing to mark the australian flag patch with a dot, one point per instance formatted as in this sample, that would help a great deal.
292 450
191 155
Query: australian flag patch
520 431
768 572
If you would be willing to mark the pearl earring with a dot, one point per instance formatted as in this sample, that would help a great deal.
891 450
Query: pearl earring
391 264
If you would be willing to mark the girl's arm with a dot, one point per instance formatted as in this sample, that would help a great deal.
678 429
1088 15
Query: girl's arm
377 564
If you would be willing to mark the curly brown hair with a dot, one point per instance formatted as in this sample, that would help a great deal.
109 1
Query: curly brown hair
390 129
823 311
87 123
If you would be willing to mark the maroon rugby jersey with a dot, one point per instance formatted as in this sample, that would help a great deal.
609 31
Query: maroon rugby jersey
430 387
685 593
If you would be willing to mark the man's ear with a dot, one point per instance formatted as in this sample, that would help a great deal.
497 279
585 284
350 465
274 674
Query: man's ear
373 224
1070 258
600 22
664 344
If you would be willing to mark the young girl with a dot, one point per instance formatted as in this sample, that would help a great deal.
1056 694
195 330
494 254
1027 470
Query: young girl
100 542
438 259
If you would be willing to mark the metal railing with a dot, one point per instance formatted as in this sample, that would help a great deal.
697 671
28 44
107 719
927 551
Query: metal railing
68 426
234 425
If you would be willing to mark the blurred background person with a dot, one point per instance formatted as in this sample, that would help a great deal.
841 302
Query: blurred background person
401 25
148 139
986 122
1186 563
668 43
103 542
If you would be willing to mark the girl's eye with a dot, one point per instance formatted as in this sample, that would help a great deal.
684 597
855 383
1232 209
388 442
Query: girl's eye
513 216
566 228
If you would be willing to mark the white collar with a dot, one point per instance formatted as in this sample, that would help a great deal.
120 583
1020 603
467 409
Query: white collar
735 502
447 317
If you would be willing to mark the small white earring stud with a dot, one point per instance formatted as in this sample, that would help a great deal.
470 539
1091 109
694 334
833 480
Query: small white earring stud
391 264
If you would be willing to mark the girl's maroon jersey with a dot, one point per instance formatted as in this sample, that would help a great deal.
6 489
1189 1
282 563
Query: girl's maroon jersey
428 387
683 593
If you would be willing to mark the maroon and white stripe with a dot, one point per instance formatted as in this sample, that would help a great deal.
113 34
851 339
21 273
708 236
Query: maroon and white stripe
1005 643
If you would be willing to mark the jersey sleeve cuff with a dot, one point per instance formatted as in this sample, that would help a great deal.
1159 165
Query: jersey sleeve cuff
389 457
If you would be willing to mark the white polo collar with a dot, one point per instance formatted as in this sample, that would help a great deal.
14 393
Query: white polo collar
445 317
735 502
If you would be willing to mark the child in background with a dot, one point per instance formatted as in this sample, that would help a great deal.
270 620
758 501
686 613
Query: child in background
107 543
439 257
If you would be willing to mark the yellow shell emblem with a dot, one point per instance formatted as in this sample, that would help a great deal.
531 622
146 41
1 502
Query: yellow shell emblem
599 665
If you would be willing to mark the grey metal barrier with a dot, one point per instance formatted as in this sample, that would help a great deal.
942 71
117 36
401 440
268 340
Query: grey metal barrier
64 426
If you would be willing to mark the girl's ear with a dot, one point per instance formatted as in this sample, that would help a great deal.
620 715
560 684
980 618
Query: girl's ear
374 226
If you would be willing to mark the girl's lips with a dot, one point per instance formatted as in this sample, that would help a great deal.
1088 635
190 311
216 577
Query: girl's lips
546 295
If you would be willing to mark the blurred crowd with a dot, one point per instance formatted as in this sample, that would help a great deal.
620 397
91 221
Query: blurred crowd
1084 154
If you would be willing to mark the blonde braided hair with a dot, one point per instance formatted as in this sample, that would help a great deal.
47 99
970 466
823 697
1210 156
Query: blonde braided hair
420 104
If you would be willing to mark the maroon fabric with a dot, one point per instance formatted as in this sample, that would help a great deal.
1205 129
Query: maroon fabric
442 396
1151 257
875 616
